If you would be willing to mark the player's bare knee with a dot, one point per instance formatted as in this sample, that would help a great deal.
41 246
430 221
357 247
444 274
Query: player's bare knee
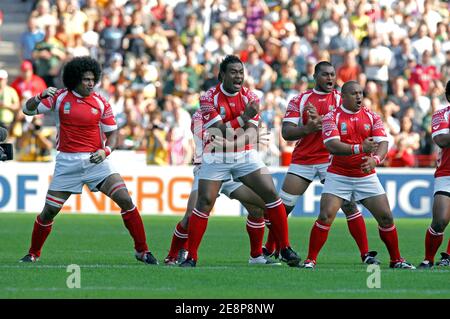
48 213
386 221
349 208
256 212
124 202
439 225
326 217
205 203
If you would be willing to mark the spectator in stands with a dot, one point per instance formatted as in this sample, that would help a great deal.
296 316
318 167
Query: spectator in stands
349 70
28 84
260 71
405 144
419 102
343 42
155 144
111 37
35 143
9 100
44 15
30 38
376 60
192 29
48 56
133 40
424 73
254 15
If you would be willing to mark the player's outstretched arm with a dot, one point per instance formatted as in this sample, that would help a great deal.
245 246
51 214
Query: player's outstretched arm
33 102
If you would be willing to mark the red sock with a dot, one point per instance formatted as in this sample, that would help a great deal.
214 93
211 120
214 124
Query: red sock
448 247
318 237
433 240
133 222
255 231
197 227
271 243
39 235
276 212
357 228
179 240
390 238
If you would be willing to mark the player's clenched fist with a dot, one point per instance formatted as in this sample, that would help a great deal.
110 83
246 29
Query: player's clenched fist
51 91
369 145
98 157
251 109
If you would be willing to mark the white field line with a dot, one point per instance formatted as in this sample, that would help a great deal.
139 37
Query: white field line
13 289
231 267
382 290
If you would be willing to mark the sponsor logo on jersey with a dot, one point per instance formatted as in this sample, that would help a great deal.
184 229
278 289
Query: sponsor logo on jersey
435 127
343 128
222 111
328 133
206 117
67 108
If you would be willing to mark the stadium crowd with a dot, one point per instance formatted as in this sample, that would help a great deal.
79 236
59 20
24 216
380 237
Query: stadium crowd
159 56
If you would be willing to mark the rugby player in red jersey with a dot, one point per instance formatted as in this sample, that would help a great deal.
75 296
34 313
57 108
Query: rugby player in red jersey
303 123
357 142
440 126
229 110
86 135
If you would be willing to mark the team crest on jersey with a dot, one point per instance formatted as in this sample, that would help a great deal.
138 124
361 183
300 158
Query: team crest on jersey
343 128
366 127
67 108
94 110
222 112
330 107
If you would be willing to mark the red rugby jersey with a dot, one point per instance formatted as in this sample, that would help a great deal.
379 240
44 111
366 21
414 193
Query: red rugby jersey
440 125
310 149
218 105
351 128
80 121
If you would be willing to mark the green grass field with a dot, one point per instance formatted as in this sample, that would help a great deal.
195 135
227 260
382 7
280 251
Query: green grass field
102 248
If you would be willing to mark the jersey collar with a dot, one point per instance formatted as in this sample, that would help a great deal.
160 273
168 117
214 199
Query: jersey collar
225 92
348 111
320 93
78 95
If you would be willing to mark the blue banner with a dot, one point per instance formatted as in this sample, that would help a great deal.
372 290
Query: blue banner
409 191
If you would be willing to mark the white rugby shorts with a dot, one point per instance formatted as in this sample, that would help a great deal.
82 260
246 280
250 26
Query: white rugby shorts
227 187
73 170
353 188
226 166
309 172
442 184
